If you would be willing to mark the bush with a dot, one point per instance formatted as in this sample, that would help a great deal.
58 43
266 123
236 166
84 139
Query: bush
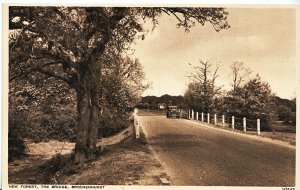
42 111
285 114
56 163
44 127
51 128
112 125
16 145
267 122
293 118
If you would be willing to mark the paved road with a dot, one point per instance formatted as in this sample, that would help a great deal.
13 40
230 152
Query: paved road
199 155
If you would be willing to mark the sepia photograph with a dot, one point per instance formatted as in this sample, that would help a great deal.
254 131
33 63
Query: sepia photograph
144 96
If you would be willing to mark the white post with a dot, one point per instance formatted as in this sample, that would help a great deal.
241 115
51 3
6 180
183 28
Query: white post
258 126
197 116
192 114
244 124
232 122
223 120
208 118
202 116
215 119
136 124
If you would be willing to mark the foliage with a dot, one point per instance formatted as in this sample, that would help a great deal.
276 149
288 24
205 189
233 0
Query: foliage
61 41
152 102
286 109
254 100
43 110
16 144
122 84
285 114
258 96
291 104
194 95
112 124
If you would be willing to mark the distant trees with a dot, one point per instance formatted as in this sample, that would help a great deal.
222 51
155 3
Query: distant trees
202 90
286 110
285 113
152 102
252 99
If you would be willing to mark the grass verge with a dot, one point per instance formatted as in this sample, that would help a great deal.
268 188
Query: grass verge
125 161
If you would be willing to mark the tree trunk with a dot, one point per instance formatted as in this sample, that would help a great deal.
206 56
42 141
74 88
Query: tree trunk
92 132
88 118
83 122
88 113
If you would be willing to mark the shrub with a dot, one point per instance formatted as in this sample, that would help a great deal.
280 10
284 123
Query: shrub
285 114
16 145
254 100
56 163
112 125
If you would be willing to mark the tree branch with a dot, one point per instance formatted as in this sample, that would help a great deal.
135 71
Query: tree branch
51 74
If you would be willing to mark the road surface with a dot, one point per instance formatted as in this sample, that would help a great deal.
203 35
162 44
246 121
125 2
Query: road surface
197 155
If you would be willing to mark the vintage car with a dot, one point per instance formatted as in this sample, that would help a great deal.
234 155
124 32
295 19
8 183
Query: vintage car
172 111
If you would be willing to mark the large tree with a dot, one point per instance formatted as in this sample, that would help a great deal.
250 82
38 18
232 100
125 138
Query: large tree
254 100
68 44
202 90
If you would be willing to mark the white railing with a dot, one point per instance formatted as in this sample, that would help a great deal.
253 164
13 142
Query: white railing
195 116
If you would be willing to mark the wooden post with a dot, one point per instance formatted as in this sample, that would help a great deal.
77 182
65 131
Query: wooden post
192 114
197 116
258 126
136 124
208 118
202 116
232 122
223 120
244 124
215 119
189 114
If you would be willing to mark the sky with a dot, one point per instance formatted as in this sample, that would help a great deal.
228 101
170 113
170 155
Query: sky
262 38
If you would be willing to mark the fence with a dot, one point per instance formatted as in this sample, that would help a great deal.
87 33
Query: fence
223 121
